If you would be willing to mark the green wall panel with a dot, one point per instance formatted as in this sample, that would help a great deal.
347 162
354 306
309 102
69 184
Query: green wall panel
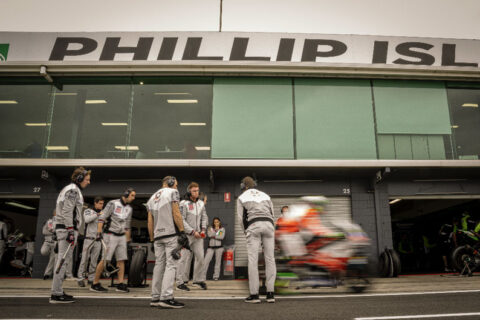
403 147
252 118
420 147
334 119
411 107
436 147
386 146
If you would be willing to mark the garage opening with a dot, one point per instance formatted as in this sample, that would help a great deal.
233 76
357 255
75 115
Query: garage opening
20 216
423 231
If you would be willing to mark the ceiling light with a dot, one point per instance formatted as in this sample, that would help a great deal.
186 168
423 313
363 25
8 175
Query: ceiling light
172 94
193 124
8 102
19 205
113 124
57 148
37 124
141 82
127 148
64 93
455 126
182 101
470 105
95 101
395 201
202 148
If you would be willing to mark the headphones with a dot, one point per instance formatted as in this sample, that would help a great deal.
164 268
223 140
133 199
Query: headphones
127 192
81 176
171 181
243 186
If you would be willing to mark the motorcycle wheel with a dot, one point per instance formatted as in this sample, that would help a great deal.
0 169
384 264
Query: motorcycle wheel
463 259
136 274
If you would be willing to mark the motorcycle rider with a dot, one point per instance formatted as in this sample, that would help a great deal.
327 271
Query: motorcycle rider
90 217
68 209
195 221
166 232
116 217
255 212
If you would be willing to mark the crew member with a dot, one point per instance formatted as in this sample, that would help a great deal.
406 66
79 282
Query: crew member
195 221
216 233
90 251
117 217
255 211
48 246
69 208
166 231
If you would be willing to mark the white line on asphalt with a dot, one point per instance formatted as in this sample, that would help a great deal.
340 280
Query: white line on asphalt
423 316
360 295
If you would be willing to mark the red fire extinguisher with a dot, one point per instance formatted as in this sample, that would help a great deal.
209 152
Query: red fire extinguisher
228 257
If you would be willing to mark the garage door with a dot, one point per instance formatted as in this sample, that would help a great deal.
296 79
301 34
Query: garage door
337 208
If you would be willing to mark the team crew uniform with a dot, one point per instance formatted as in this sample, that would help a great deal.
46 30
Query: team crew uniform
117 217
195 219
90 217
48 246
165 241
215 246
68 217
255 211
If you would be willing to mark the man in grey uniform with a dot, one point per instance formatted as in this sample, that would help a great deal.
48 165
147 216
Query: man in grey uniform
117 217
255 212
3 238
48 246
166 231
90 251
69 208
195 221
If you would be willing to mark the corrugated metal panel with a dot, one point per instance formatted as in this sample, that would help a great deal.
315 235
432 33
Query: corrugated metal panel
337 208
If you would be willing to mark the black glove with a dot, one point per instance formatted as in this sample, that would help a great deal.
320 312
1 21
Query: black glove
70 236
182 239
99 236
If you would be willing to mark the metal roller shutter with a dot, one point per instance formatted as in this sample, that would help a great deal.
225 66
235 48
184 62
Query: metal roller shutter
337 208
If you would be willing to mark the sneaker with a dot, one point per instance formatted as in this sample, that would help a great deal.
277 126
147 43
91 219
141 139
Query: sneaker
183 287
253 298
90 282
46 277
67 295
270 297
171 304
155 303
215 279
201 285
61 299
71 278
98 288
122 287
81 283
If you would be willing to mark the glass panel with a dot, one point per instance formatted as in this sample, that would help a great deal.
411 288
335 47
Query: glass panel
334 119
411 107
252 118
171 118
23 120
465 111
90 121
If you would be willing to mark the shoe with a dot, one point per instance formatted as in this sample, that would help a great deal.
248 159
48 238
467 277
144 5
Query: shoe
252 299
270 297
215 279
448 269
46 277
155 303
201 285
90 282
98 288
67 295
81 283
183 287
71 278
171 304
61 299
122 287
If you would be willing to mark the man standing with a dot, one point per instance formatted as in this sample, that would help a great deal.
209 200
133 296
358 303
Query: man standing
48 246
3 239
255 212
195 221
68 209
117 217
166 231
92 251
